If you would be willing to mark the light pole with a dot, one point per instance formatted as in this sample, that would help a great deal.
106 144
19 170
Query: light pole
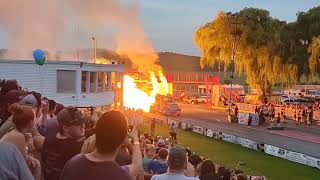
94 41
235 26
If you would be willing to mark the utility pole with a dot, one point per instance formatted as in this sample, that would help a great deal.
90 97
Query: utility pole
236 24
94 41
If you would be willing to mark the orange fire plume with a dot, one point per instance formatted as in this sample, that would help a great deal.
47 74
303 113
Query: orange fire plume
135 98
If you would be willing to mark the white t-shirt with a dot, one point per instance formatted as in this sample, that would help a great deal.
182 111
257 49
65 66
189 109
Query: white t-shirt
172 176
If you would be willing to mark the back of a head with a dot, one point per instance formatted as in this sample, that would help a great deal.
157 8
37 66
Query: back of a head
22 115
9 85
52 105
111 130
59 107
207 167
177 158
195 160
210 177
12 96
163 153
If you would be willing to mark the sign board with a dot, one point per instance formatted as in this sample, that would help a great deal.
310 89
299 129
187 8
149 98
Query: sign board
243 118
183 126
209 133
255 119
228 138
312 161
247 143
275 151
198 129
296 157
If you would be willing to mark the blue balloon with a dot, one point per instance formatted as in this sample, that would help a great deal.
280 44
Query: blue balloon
39 56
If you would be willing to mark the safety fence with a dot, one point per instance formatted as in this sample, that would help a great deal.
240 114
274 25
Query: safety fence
248 143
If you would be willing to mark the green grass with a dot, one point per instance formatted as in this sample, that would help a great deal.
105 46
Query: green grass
228 154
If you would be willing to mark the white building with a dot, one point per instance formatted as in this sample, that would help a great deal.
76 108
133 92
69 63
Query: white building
71 83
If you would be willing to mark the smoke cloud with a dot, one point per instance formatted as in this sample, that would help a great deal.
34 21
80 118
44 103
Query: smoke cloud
30 24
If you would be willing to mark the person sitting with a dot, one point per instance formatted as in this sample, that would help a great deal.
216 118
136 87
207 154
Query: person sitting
23 119
177 163
59 148
159 166
111 131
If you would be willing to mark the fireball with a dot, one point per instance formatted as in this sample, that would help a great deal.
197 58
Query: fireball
136 98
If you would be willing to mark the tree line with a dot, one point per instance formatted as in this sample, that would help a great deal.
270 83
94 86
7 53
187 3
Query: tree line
269 51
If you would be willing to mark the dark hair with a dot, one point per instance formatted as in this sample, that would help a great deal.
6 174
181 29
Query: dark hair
207 167
195 160
52 105
22 115
59 107
111 130
8 85
163 153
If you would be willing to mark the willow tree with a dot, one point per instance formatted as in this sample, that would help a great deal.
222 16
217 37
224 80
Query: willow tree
256 51
314 58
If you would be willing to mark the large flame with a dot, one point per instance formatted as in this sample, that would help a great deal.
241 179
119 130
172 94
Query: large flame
135 98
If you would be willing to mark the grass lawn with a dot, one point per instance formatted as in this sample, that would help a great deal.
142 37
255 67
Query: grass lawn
229 155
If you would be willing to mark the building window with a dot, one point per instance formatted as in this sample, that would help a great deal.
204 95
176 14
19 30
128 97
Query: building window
66 81
175 77
100 81
93 78
201 78
113 80
84 81
107 80
182 77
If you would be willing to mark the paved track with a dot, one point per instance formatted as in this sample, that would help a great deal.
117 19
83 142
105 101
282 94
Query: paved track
303 139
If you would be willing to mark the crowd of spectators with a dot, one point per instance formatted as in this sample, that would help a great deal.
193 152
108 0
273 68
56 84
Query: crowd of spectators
43 140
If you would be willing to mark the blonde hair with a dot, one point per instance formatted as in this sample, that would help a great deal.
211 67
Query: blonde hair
89 145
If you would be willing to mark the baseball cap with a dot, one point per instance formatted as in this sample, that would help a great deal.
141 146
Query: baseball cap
30 100
177 157
70 116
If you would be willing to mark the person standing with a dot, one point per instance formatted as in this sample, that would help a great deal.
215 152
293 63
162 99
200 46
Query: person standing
283 114
236 111
310 116
13 166
59 148
299 116
111 131
173 132
159 166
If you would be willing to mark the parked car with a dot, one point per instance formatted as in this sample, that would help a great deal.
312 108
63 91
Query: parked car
295 100
202 99
171 109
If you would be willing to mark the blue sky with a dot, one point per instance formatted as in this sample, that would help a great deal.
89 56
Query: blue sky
170 24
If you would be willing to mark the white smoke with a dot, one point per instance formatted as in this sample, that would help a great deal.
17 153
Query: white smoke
30 24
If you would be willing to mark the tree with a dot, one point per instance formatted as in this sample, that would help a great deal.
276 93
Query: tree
257 51
296 38
314 58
